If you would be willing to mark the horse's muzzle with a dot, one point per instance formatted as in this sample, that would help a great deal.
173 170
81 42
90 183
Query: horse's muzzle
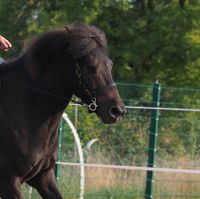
117 112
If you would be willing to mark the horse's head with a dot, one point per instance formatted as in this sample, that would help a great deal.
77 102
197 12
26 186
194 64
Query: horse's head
94 82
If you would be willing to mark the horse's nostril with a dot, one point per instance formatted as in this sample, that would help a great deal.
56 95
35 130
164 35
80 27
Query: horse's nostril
116 111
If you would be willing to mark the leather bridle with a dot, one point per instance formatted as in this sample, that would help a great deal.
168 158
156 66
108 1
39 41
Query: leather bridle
91 93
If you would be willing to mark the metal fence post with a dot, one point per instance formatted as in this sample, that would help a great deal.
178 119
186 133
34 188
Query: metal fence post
57 166
152 141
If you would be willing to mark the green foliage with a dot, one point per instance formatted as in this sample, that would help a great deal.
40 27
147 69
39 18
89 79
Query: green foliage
148 40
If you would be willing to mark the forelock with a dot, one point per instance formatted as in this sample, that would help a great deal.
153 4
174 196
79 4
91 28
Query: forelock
83 39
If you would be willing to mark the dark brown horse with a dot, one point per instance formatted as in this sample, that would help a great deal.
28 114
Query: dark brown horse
35 89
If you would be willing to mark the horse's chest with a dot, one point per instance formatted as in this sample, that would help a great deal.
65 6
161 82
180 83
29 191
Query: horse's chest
32 147
42 159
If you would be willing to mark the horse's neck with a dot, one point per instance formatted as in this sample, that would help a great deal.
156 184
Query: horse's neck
45 94
50 95
13 68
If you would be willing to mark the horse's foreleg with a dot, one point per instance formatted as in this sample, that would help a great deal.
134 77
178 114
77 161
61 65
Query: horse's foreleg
45 184
10 188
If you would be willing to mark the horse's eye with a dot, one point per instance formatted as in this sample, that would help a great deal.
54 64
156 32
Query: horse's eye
92 69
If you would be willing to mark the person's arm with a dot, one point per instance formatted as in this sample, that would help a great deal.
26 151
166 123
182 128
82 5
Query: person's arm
4 43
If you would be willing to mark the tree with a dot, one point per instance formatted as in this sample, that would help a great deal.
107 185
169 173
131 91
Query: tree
148 39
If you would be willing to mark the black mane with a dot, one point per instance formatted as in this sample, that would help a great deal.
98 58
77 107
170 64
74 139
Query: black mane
73 42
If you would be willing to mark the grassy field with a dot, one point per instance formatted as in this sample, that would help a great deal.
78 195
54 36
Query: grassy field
124 184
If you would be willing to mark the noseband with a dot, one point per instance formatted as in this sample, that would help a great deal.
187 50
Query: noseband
87 89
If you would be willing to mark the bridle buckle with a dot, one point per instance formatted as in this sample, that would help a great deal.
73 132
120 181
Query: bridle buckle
93 105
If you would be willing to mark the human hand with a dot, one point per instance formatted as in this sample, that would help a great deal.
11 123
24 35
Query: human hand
4 44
